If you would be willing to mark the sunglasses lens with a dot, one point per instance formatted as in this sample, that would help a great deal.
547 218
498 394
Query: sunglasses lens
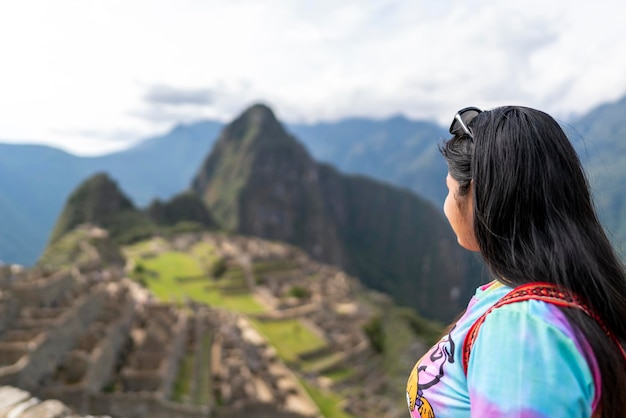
460 124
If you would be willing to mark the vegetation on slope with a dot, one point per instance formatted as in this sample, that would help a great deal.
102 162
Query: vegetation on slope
184 207
99 201
81 246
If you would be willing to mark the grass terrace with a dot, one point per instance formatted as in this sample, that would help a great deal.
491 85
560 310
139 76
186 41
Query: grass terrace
290 337
329 403
175 276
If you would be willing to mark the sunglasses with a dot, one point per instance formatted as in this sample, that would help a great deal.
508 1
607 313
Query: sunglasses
462 119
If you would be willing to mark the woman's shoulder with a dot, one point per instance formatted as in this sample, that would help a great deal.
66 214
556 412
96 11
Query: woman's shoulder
542 321
485 296
530 313
530 342
535 311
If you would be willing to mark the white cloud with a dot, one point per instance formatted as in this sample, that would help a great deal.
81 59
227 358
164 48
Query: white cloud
76 73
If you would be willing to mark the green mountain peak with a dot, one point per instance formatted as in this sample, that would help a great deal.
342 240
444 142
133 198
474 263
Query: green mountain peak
260 181
96 201
257 126
255 143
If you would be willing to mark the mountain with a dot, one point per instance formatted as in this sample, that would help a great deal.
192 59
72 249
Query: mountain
184 207
38 179
599 137
35 181
260 181
99 201
162 166
396 150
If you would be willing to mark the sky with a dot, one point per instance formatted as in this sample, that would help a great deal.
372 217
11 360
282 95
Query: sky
96 76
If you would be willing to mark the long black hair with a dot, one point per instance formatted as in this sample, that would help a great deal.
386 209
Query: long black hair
534 220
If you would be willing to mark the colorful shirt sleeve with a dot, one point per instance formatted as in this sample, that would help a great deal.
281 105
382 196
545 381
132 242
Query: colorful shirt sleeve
527 363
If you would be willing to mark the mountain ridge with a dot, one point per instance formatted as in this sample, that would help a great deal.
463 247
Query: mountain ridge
33 188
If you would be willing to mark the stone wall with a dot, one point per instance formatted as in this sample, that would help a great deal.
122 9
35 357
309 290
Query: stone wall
44 291
91 364
52 346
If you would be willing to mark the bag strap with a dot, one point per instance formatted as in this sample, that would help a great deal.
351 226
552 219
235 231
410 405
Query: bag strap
547 292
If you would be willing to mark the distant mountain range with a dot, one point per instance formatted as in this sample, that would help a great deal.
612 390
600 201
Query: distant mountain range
35 180
600 138
258 180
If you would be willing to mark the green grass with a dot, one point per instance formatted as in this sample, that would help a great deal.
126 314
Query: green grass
205 253
290 338
320 363
180 392
429 331
339 375
272 266
400 333
244 303
65 252
328 403
141 248
203 394
161 273
230 280
234 274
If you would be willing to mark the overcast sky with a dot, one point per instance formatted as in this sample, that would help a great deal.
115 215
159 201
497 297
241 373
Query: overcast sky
95 76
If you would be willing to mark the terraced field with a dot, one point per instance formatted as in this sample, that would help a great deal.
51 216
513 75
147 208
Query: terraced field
200 274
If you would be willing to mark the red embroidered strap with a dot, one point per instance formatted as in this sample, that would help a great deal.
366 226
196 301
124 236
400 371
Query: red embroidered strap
546 292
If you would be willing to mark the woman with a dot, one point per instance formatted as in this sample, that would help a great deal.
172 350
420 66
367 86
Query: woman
518 195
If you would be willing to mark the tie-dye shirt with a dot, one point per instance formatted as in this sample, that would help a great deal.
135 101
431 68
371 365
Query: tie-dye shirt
525 362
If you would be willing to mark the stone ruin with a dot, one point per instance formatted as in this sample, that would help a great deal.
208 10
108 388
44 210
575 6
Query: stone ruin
328 306
97 342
